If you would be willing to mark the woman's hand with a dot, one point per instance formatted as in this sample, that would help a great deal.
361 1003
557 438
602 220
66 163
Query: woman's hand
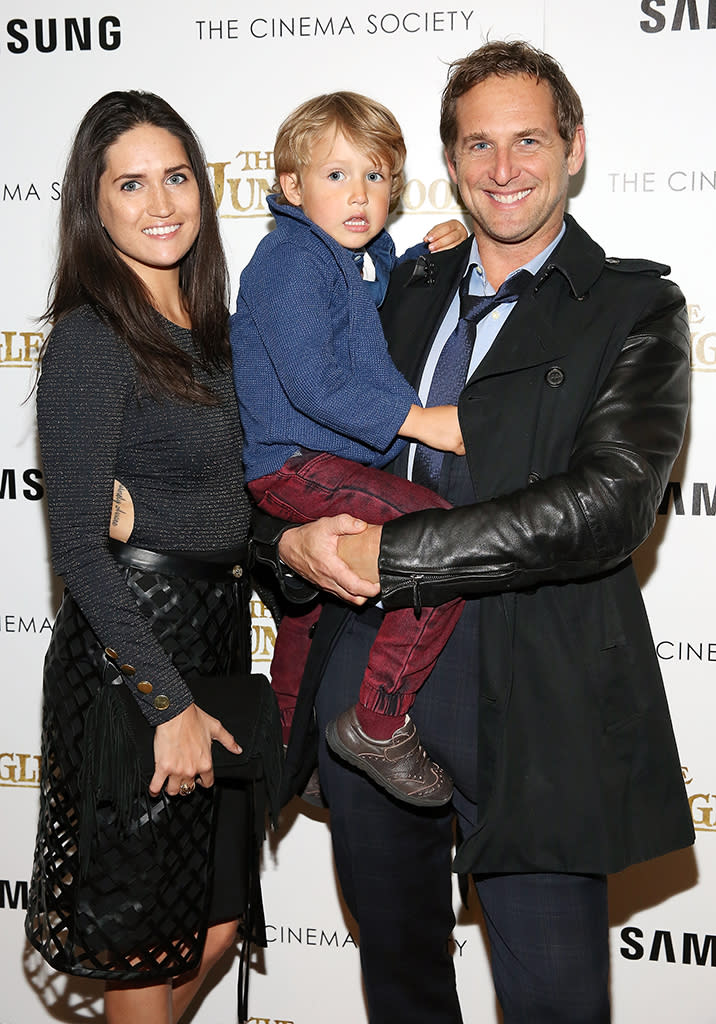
313 552
182 750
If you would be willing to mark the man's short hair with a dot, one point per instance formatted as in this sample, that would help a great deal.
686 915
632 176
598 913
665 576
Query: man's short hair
505 60
366 123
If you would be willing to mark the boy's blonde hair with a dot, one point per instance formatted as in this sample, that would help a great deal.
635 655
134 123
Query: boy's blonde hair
366 123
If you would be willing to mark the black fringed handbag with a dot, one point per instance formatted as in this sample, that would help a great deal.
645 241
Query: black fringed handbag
246 706
244 703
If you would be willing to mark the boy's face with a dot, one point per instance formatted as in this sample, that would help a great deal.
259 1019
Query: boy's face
343 191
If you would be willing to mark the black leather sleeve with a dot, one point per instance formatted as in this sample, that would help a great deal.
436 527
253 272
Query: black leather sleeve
573 525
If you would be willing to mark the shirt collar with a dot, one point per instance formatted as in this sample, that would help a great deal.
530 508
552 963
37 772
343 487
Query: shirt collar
532 265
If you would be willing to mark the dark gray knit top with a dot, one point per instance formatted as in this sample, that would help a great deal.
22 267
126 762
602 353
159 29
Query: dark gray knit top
181 463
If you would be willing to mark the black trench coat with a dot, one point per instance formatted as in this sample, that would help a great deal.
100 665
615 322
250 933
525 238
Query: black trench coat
572 423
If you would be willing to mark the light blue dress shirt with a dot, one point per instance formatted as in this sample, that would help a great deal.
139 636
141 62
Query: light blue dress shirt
487 329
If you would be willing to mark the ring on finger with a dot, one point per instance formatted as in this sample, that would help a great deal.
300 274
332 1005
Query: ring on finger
187 788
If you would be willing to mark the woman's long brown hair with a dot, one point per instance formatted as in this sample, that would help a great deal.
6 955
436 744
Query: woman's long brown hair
89 269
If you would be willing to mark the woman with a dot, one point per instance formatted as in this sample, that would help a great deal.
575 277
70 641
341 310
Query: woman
138 424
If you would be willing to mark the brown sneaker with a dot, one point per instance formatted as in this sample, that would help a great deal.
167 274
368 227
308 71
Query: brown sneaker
400 765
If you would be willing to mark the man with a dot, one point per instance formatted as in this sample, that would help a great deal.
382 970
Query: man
547 705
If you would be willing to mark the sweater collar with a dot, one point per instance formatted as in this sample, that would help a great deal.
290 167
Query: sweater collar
381 248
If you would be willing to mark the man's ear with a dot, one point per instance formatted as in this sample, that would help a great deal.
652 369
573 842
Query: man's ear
291 188
575 157
451 168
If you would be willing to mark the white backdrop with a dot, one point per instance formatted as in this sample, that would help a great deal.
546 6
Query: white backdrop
644 69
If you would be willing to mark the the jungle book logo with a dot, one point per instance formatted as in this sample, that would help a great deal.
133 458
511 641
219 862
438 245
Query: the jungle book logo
20 349
702 804
263 632
242 184
20 770
703 339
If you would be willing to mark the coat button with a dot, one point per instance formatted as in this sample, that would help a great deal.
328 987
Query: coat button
161 702
237 571
111 653
129 670
145 686
533 478
554 376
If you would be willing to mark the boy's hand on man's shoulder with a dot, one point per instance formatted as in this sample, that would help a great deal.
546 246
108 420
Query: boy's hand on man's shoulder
446 235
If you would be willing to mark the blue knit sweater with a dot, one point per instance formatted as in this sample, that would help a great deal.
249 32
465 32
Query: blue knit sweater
311 366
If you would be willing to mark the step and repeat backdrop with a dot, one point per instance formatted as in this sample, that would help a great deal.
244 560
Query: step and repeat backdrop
645 71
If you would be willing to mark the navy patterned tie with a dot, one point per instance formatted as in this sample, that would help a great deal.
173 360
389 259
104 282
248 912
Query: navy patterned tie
452 365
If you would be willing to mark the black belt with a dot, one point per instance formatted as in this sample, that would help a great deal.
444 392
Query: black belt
231 567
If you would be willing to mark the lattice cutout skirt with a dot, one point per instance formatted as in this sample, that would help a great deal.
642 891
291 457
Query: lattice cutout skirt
142 907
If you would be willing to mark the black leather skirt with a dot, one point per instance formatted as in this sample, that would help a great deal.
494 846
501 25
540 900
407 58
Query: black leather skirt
137 902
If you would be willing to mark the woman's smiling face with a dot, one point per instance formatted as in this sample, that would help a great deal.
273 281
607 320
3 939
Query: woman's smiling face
148 199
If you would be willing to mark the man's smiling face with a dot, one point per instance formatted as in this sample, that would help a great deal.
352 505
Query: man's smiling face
511 165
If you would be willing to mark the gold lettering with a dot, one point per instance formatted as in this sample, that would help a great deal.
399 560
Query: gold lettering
23 777
441 195
9 357
32 348
258 188
258 608
7 768
19 769
246 194
693 314
704 347
217 170
263 638
17 353
702 811
413 195
256 160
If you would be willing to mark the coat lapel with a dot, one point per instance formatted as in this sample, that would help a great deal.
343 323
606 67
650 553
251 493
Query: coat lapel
414 309
545 323
525 340
537 330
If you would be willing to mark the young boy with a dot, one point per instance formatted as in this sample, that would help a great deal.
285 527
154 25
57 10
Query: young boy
323 407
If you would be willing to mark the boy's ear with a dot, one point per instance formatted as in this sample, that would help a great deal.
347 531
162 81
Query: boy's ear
291 188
